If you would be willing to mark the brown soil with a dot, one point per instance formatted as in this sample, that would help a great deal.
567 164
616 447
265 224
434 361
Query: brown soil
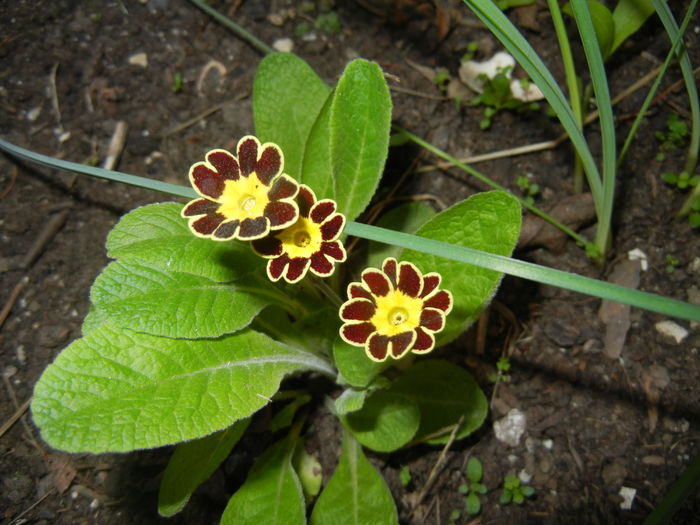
593 424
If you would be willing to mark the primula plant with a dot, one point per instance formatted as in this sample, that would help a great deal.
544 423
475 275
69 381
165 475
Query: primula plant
207 306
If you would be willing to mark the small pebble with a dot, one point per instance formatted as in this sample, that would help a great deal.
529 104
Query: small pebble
510 429
627 494
672 330
639 255
524 477
139 59
284 45
653 460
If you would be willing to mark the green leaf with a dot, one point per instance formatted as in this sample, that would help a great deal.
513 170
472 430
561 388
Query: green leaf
628 17
407 218
310 472
474 470
350 400
354 367
157 302
285 416
385 422
359 135
444 393
191 465
287 97
271 494
487 221
356 494
115 390
317 168
603 24
472 504
157 236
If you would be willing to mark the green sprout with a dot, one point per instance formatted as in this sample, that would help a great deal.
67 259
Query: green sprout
405 476
454 516
176 86
471 48
694 216
671 263
675 135
474 488
329 22
502 369
530 189
441 79
498 96
514 491
681 180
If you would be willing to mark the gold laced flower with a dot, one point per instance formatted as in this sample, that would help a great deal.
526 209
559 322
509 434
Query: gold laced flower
311 243
243 196
394 310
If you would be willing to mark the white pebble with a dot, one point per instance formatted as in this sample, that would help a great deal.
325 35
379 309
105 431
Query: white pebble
639 255
284 45
627 494
672 330
510 428
139 59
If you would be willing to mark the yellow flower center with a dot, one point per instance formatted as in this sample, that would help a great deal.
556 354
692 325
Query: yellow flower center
301 239
396 313
243 198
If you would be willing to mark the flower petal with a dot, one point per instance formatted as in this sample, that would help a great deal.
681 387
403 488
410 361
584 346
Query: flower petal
442 300
376 282
253 228
269 246
330 230
306 199
270 163
297 269
224 163
430 283
226 230
206 181
281 214
322 210
432 319
356 333
199 207
320 264
389 268
247 154
425 342
204 226
401 343
356 290
377 347
335 250
410 281
357 310
284 187
275 267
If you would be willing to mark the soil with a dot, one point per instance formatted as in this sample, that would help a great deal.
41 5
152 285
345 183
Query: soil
71 70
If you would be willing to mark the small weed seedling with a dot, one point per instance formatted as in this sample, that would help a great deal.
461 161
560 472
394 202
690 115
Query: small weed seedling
405 476
671 263
474 488
498 96
530 189
176 86
674 137
514 491
683 181
502 369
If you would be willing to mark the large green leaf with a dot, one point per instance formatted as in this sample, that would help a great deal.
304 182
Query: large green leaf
356 494
159 237
359 135
287 97
115 390
272 493
192 463
628 16
317 168
487 221
158 302
444 393
385 422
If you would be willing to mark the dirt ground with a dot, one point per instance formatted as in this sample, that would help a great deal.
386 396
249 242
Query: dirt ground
72 70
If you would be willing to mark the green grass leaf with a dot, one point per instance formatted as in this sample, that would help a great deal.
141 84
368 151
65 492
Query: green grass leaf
444 393
191 465
115 390
356 494
385 422
272 494
486 221
287 97
157 236
359 135
153 301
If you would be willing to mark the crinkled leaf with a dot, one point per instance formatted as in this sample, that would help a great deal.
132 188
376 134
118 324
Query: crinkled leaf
359 135
157 236
271 494
407 218
444 393
350 400
356 494
191 465
287 97
628 17
115 390
354 367
158 302
486 221
385 422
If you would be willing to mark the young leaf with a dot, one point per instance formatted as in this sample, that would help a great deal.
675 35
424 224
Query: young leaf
628 17
272 493
444 393
474 470
472 504
157 236
192 463
407 218
350 400
157 302
385 422
356 494
487 221
359 135
115 390
287 97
